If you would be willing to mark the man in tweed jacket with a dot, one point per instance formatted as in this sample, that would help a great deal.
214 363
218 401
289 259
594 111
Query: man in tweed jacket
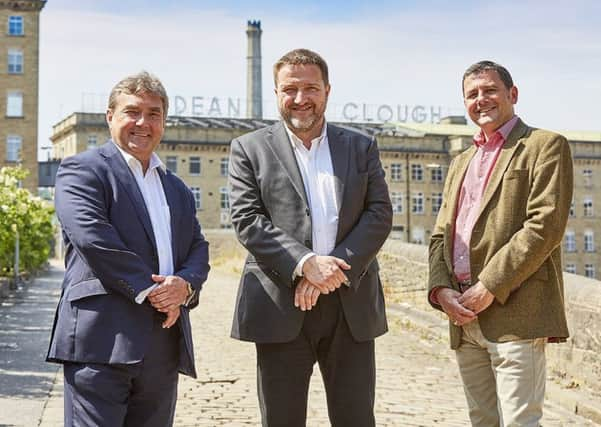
495 256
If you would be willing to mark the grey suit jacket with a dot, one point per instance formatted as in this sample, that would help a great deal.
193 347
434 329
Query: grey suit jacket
272 219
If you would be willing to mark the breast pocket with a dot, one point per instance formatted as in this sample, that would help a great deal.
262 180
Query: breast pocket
514 197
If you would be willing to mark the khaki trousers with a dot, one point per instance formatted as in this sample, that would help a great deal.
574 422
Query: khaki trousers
504 383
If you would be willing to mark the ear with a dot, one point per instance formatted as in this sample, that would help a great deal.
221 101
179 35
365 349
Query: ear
109 118
513 94
328 87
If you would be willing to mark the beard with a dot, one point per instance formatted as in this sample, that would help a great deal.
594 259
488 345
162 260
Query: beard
302 125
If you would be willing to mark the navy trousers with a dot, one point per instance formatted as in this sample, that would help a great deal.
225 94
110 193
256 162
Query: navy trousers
112 395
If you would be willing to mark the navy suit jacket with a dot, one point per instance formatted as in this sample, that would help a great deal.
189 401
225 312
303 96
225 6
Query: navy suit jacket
110 256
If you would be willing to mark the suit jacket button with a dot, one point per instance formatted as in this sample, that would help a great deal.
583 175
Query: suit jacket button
308 212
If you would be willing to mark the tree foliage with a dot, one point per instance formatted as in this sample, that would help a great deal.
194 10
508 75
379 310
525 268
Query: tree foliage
27 215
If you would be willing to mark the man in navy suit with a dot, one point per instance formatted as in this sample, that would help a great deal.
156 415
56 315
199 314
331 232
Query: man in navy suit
135 263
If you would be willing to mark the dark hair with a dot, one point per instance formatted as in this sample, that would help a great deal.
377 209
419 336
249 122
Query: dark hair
143 82
301 57
480 66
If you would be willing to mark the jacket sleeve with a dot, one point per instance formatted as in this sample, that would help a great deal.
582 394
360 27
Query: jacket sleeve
81 202
547 211
195 268
439 274
253 225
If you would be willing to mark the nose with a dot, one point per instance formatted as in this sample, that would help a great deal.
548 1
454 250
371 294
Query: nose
481 96
300 97
140 120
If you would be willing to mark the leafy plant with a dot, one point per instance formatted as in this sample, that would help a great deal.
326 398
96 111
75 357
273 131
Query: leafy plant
26 215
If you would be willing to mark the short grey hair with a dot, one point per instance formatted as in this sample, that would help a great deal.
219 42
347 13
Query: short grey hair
136 84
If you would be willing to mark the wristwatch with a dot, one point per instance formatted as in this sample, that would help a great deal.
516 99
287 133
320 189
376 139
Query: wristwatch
190 294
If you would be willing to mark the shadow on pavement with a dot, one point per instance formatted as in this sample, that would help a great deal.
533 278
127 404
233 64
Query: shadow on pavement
26 317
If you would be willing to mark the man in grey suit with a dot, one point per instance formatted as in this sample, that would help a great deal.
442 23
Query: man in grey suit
310 204
135 262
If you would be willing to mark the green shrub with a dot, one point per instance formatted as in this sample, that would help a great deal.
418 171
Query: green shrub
27 215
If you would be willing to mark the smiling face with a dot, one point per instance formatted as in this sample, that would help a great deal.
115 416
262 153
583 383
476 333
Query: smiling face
137 124
488 101
302 98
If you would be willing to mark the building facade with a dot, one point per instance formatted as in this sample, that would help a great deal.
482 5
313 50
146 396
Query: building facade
415 157
19 71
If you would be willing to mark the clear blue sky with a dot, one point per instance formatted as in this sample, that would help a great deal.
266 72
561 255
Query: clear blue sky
379 52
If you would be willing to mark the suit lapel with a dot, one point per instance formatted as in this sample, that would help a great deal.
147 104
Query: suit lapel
280 144
128 182
339 153
174 209
505 156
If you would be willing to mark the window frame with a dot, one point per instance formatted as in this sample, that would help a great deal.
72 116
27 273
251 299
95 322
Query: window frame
17 22
18 65
12 141
192 161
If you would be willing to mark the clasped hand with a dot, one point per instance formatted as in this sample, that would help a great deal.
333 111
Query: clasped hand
464 308
321 275
168 296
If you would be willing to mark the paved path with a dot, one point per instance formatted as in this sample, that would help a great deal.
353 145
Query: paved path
418 383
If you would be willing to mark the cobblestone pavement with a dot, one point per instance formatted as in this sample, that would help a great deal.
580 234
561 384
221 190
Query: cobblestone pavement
418 384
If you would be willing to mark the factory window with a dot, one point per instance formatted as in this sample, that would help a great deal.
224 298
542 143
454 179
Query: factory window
224 198
15 25
436 173
570 268
589 241
14 104
587 175
13 148
569 241
194 165
589 270
197 193
223 166
588 206
417 172
171 163
436 202
15 61
396 171
396 199
417 203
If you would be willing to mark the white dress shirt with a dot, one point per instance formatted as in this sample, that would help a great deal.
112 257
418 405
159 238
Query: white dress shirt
319 181
156 204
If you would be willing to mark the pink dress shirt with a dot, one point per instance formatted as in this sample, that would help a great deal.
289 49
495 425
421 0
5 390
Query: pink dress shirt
470 197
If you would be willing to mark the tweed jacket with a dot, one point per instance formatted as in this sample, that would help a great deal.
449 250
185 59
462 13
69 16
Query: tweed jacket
515 247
